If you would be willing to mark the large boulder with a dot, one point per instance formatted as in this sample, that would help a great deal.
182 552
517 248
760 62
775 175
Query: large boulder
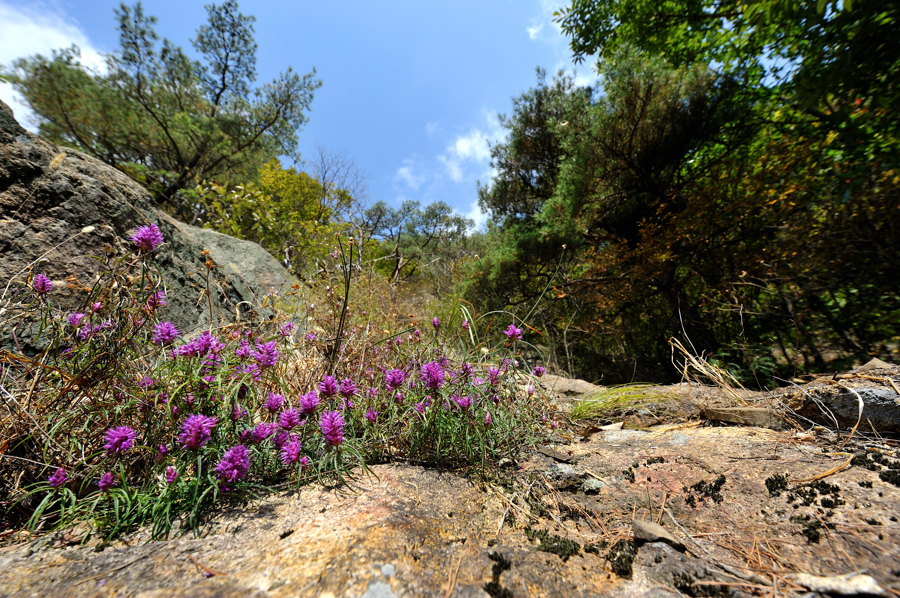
49 194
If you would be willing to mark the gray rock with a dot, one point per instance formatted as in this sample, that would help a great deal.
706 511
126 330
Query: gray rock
592 486
43 211
647 531
881 406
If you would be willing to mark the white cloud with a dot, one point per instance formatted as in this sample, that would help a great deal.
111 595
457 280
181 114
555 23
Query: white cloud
534 29
38 29
476 215
473 148
406 175
433 128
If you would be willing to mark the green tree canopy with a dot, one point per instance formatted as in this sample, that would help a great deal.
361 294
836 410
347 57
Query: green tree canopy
163 118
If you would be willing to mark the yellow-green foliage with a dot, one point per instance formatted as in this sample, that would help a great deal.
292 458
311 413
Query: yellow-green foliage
291 214
616 399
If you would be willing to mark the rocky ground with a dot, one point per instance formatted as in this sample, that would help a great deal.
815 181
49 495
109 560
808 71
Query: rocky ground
690 505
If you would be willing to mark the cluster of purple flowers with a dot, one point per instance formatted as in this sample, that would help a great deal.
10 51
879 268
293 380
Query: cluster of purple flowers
274 402
432 375
514 334
393 379
164 333
201 346
289 419
106 481
196 431
119 440
309 402
234 465
265 355
332 426
328 387
147 238
41 284
155 301
58 478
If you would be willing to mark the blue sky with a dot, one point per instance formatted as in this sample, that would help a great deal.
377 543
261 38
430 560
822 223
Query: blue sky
411 89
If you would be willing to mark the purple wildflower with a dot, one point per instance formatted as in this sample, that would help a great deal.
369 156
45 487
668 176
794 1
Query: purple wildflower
58 478
95 307
147 238
243 351
464 402
161 453
155 301
328 387
432 375
171 474
106 481
281 438
420 407
310 337
42 285
289 419
286 329
393 379
234 465
274 402
75 319
466 370
514 334
371 414
119 440
538 371
332 426
290 452
146 382
348 388
196 430
304 461
488 420
530 390
164 333
238 413
263 430
436 323
309 402
493 376
266 355
465 324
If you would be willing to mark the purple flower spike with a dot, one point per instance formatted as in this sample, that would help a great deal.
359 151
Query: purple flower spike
328 387
234 465
266 355
263 430
289 419
514 334
309 402
171 474
75 319
147 238
393 379
332 425
41 285
436 323
433 375
290 452
348 388
106 481
196 430
493 376
488 420
371 414
465 324
155 301
58 478
464 402
275 401
164 333
119 440
538 371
